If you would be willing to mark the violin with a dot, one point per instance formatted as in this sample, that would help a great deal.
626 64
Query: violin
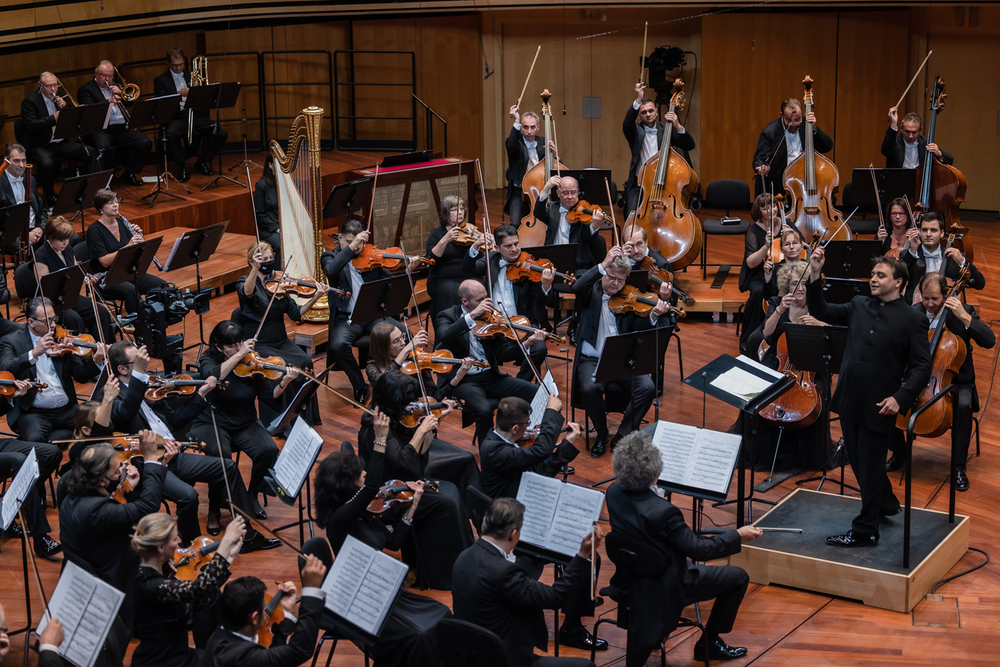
582 213
439 361
178 385
801 405
188 562
395 493
81 346
531 435
127 446
528 268
631 300
273 613
8 384
280 284
390 259
271 368
495 325
467 234
418 409
124 487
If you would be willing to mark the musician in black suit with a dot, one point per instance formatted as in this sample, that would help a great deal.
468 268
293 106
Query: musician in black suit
493 592
265 204
886 348
591 247
480 385
597 322
242 607
176 80
522 297
638 512
645 139
926 254
636 250
118 134
525 149
12 191
340 272
780 142
23 353
907 149
39 115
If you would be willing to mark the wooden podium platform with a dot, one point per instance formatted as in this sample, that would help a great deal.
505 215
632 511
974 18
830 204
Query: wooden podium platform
872 575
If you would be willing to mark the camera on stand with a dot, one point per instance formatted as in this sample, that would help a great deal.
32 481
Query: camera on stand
160 308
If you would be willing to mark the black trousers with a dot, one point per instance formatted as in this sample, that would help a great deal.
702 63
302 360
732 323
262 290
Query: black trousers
129 292
120 137
82 317
961 422
48 159
253 439
753 315
213 137
187 469
518 207
726 585
479 389
641 389
866 450
343 336
36 425
511 351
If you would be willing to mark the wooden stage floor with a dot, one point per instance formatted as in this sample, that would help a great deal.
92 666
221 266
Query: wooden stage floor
780 626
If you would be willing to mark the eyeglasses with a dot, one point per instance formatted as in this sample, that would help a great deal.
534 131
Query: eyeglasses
569 192
897 214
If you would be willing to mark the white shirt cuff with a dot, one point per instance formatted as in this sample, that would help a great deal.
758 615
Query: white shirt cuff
600 268
517 126
313 592
473 252
48 647
141 377
635 105
468 320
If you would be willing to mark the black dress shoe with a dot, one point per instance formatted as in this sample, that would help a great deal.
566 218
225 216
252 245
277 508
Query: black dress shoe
567 470
14 531
718 650
853 538
183 175
895 462
362 395
203 168
259 543
212 523
961 479
597 451
130 179
46 547
615 439
581 638
893 512
51 200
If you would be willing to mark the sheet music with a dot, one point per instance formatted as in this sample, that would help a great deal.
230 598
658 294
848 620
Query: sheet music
297 456
550 383
362 584
759 366
173 251
541 399
696 458
741 383
19 487
557 515
86 607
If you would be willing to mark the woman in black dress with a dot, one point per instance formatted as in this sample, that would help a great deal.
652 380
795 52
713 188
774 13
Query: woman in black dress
105 238
55 253
343 491
265 204
896 238
388 349
163 606
446 275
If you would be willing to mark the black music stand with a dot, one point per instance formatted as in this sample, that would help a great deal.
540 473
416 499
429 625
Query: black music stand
377 300
194 247
214 96
62 287
851 259
891 183
298 405
702 380
563 257
77 194
592 187
819 350
842 290
131 263
403 159
350 200
158 112
13 219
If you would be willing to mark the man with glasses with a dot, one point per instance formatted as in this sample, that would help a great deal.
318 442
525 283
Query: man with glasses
593 292
908 148
590 244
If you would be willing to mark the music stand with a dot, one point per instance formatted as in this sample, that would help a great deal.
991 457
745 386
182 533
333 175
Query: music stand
158 111
79 190
62 287
592 187
842 290
298 405
214 96
349 199
194 247
131 263
563 257
851 259
377 300
403 159
892 183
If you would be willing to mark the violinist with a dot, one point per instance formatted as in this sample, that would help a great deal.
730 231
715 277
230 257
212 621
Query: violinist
106 237
636 250
886 364
514 298
907 149
55 254
780 142
927 254
165 605
646 137
340 272
444 277
388 351
961 320
593 292
12 191
525 149
40 412
591 247
454 330
895 241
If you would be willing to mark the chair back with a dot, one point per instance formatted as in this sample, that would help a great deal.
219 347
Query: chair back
25 283
478 502
464 644
237 316
319 547
727 193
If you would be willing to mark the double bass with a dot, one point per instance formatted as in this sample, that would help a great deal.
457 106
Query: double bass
811 181
531 233
667 182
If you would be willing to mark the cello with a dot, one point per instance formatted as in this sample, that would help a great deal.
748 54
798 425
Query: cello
811 181
801 405
532 231
667 182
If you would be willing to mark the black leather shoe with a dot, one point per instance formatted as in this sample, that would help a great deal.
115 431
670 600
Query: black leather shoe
615 439
259 543
894 512
362 395
961 479
46 547
853 538
895 462
718 650
130 179
567 470
203 168
597 451
183 175
212 523
14 531
582 638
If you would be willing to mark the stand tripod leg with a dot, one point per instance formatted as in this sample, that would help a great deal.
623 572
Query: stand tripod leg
27 595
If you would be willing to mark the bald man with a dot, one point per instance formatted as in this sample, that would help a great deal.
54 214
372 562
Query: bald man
591 248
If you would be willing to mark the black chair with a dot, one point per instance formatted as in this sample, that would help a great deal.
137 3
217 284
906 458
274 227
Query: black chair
727 194
634 562
478 503
25 282
465 644
859 224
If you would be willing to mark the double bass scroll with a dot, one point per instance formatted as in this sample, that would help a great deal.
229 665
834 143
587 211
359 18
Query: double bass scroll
531 233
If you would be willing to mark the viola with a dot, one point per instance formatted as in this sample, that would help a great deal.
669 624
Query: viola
495 325
273 613
178 385
531 233
124 487
582 213
127 446
8 384
439 361
395 493
528 268
467 234
942 186
801 405
390 259
280 284
418 409
188 562
254 364
80 346
631 300
530 435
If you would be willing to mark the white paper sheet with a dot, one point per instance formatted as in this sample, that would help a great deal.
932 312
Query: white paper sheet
696 458
741 383
19 487
362 584
297 456
557 515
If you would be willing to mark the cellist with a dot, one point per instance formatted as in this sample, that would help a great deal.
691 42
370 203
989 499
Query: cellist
928 255
906 149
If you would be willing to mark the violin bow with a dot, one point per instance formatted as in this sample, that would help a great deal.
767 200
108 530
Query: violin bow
909 211
268 309
611 207
45 310
528 78
842 225
93 301
222 461
323 384
371 207
524 349
413 293
555 144
34 567
878 201
913 80
486 234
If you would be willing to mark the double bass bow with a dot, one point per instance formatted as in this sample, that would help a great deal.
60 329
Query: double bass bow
531 233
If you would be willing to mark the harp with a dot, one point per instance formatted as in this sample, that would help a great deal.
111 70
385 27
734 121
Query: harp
300 215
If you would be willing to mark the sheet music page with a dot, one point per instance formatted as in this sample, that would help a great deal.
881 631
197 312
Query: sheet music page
759 366
550 383
538 404
539 495
676 443
86 607
25 478
696 458
740 383
345 577
297 456
362 584
173 251
575 514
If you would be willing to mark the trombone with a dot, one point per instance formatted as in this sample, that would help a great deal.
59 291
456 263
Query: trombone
129 93
67 96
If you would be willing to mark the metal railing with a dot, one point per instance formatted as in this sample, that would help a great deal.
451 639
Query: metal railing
429 116
353 143
329 83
